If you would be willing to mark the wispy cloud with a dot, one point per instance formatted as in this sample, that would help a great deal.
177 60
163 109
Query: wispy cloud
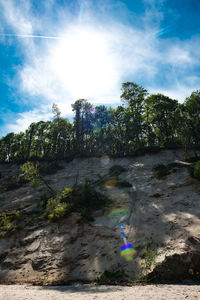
88 56
25 119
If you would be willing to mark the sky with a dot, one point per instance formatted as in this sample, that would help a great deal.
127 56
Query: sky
58 51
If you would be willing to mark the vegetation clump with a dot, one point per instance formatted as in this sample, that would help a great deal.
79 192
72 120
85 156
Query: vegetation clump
8 222
112 277
82 198
194 170
148 260
142 124
32 173
161 171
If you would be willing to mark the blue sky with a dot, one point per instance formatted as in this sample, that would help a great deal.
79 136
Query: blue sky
58 51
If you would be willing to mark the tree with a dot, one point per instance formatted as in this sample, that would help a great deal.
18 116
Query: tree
61 138
56 111
192 113
160 113
32 174
133 96
82 124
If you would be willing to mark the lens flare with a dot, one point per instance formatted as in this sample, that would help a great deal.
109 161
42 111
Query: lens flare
92 110
127 250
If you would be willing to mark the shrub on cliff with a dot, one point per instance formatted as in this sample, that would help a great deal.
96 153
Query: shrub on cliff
195 170
82 198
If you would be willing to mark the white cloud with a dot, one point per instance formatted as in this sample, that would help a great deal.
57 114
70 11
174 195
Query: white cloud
91 57
25 119
90 62
16 18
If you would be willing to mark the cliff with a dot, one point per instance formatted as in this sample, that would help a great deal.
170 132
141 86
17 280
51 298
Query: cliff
161 217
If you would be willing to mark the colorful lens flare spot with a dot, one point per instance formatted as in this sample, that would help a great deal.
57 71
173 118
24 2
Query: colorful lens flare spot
92 110
128 251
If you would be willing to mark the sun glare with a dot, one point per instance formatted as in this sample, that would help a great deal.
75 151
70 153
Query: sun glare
84 63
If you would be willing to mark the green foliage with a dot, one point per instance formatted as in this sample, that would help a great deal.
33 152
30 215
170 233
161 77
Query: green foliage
139 124
149 258
55 209
86 199
161 171
8 222
116 170
56 111
82 199
161 115
195 170
112 277
59 206
31 173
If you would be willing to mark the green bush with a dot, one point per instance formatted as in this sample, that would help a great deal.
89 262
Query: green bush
55 209
8 222
149 258
82 199
161 171
111 277
116 170
196 170
31 173
85 199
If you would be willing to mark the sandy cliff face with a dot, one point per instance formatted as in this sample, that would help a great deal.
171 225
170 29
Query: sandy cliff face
161 214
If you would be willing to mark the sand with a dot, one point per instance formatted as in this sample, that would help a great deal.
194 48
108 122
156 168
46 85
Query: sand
89 292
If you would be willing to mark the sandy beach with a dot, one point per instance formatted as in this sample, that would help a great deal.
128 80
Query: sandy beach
93 292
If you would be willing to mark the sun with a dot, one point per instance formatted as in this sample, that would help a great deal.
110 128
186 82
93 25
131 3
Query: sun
83 62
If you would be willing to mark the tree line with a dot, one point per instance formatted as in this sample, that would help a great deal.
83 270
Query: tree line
141 122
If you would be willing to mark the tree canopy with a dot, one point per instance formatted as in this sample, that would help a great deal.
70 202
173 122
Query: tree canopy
141 121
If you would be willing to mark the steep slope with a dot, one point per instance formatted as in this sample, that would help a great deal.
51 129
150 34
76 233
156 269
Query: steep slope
161 216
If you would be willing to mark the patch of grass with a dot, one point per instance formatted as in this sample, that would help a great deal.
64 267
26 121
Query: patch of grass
111 277
149 258
161 171
116 170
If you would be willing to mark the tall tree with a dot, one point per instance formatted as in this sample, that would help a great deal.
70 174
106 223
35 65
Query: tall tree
161 113
82 123
133 96
56 111
192 110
